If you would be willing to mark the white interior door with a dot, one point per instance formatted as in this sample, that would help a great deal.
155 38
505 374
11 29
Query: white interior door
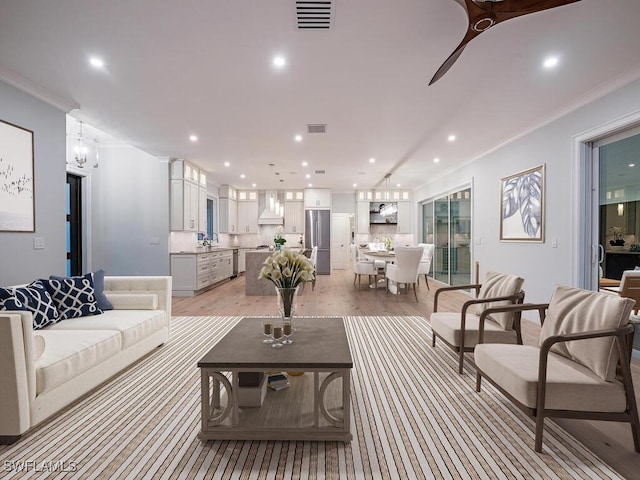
340 226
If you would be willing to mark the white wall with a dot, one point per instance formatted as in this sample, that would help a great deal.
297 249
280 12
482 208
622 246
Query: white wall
130 213
19 262
541 265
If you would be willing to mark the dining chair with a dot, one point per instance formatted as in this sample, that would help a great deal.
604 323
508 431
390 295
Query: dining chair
580 367
405 269
362 267
425 262
629 287
459 330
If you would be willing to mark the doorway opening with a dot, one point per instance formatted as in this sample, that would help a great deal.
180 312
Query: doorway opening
74 224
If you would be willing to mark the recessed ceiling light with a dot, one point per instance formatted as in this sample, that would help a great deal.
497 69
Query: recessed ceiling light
436 160
253 185
308 175
193 138
311 184
372 160
279 61
242 175
550 62
304 164
632 164
355 185
397 184
451 138
226 164
298 138
96 62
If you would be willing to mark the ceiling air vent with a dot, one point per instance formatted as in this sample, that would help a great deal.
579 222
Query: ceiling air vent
319 172
317 128
314 14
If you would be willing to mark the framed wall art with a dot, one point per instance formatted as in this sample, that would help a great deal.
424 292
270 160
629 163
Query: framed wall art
522 206
17 203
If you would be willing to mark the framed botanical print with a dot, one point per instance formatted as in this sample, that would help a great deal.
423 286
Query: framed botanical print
17 203
522 206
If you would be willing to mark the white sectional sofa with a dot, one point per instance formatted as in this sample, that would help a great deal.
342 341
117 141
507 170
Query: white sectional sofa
79 354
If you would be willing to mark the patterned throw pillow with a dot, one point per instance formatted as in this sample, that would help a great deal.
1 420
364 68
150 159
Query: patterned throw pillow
73 296
98 287
33 298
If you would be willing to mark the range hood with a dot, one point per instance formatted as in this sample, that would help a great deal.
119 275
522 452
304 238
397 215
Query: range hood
270 215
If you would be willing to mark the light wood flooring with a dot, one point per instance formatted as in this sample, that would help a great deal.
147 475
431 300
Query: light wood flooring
336 294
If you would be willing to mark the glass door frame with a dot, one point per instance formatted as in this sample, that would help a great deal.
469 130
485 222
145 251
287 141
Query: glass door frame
586 209
432 200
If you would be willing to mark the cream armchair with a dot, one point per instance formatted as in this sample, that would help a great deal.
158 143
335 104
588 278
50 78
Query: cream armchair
459 330
580 367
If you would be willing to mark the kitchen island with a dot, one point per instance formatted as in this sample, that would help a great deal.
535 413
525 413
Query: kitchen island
254 285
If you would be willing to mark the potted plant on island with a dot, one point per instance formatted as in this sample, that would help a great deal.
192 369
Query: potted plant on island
279 240
618 239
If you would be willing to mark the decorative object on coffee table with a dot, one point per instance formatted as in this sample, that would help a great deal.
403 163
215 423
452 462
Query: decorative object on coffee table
287 270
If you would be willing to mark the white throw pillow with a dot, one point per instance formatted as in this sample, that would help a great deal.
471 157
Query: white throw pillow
133 301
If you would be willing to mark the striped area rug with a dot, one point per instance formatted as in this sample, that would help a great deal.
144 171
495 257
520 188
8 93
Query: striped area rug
413 417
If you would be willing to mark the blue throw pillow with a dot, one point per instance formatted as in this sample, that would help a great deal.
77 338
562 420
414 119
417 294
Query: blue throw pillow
33 298
73 296
98 287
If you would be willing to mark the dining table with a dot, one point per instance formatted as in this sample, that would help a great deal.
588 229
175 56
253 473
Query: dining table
373 255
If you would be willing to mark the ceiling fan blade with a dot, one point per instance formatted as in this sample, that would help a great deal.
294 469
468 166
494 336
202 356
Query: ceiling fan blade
484 14
444 68
509 9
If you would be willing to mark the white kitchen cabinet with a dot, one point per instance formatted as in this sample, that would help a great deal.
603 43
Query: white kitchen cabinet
404 217
293 217
228 205
317 198
228 215
362 225
192 273
248 216
188 197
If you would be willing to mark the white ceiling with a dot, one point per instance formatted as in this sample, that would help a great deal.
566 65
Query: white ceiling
204 67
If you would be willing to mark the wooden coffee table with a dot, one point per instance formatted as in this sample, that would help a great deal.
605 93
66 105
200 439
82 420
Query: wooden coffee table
314 407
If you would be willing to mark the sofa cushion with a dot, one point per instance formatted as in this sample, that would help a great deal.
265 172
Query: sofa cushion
572 310
133 325
447 325
73 296
570 386
69 353
134 301
499 285
33 298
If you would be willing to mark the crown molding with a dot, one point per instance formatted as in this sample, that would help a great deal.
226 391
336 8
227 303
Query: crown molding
591 96
36 90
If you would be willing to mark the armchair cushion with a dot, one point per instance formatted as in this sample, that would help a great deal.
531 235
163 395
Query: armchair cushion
499 285
572 311
447 325
570 386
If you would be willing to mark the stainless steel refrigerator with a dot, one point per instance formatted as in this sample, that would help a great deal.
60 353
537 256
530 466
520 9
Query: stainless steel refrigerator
317 231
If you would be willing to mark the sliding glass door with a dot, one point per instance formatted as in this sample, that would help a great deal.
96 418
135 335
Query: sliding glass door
446 222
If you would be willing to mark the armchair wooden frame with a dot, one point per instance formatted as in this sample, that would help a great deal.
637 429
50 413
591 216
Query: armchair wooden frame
461 349
623 340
